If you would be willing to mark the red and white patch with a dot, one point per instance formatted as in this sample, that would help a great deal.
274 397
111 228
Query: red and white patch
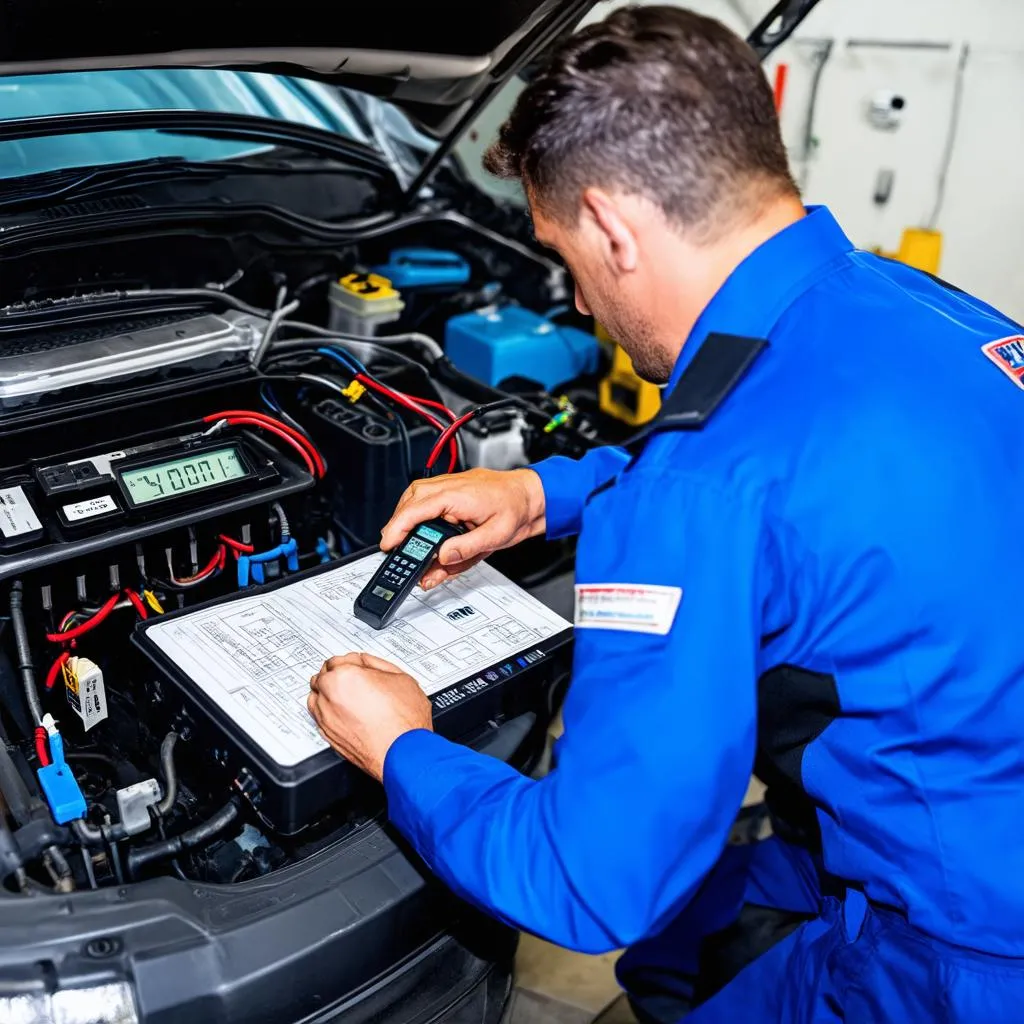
630 607
1008 355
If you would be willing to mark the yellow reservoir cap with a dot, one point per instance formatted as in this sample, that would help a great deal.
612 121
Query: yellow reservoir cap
368 287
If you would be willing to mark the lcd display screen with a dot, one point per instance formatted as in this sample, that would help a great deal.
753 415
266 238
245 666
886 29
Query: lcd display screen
417 549
182 476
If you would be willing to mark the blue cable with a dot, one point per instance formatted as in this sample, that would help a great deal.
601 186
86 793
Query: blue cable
269 400
346 359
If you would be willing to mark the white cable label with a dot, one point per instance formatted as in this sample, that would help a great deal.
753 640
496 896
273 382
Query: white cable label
16 513
92 507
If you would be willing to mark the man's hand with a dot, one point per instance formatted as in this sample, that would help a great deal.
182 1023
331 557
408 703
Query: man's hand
499 508
362 704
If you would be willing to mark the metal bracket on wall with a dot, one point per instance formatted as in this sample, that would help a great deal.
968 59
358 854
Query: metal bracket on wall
778 25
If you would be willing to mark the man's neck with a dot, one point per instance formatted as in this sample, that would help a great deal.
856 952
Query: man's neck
695 273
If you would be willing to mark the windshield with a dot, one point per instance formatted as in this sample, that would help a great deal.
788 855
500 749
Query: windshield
357 116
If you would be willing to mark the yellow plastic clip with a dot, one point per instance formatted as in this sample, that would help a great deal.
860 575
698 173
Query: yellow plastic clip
152 601
354 391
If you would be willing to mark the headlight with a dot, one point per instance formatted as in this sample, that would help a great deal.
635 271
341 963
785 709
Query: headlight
113 1003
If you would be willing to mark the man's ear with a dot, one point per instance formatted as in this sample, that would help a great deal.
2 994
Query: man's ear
610 218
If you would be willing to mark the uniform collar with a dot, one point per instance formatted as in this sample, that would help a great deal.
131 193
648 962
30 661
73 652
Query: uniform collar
768 282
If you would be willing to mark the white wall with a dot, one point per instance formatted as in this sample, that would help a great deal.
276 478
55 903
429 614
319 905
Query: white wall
982 216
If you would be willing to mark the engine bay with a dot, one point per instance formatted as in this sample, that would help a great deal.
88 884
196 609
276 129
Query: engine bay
177 430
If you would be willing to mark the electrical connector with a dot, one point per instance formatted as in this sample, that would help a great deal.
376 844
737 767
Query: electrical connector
250 567
354 391
59 785
564 416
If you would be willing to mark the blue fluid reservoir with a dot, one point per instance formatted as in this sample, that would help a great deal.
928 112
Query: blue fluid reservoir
494 343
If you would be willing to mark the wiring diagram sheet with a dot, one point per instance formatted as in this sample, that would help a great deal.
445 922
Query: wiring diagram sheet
254 655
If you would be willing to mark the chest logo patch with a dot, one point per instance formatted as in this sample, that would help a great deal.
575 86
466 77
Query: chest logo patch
1008 355
629 607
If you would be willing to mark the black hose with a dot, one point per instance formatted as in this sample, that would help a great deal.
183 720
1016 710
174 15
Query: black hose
202 834
28 676
13 787
169 773
10 855
11 700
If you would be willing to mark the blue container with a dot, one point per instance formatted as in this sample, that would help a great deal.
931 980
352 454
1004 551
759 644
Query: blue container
492 344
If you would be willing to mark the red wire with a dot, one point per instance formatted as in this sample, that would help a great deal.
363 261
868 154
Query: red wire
51 676
416 405
246 549
298 440
217 562
275 425
74 634
448 435
137 602
42 746
312 464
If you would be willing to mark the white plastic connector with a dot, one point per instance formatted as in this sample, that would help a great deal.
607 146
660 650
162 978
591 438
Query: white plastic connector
87 694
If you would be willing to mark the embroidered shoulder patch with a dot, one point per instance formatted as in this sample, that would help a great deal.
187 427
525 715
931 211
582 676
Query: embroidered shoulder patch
1008 355
630 607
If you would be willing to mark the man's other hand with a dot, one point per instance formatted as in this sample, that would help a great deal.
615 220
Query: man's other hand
499 508
362 704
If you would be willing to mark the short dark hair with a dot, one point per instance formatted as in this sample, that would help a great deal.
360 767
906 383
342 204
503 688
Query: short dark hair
656 101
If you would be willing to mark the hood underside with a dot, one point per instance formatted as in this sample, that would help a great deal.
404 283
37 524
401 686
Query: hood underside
433 58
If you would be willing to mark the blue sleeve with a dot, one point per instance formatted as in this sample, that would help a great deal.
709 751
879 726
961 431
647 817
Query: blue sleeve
567 482
659 733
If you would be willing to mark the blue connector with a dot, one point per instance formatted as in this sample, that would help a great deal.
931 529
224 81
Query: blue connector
415 267
323 550
58 784
250 567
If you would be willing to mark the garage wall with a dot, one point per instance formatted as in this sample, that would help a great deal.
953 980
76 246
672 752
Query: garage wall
913 48
981 214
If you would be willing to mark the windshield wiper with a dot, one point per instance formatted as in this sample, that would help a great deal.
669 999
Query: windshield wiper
208 124
78 182
82 182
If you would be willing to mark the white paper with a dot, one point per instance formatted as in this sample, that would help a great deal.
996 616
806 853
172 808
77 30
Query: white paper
254 655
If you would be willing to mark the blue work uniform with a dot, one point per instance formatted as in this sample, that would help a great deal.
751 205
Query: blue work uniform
811 565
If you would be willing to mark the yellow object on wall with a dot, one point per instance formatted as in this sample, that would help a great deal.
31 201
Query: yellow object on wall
919 248
622 393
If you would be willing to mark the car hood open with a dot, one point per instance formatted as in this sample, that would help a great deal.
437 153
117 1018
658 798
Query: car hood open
432 58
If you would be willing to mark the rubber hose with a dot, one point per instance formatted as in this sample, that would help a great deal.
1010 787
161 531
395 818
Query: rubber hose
28 676
11 697
169 772
202 834
13 787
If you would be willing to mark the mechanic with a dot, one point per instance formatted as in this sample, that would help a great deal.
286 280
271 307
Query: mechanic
805 567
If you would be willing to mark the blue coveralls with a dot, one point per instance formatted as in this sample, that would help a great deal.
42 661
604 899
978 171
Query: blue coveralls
825 577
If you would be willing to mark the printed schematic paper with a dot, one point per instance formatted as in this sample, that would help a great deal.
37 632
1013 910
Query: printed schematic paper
254 656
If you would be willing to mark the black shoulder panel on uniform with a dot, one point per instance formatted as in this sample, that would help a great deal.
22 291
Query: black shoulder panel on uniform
719 365
717 368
